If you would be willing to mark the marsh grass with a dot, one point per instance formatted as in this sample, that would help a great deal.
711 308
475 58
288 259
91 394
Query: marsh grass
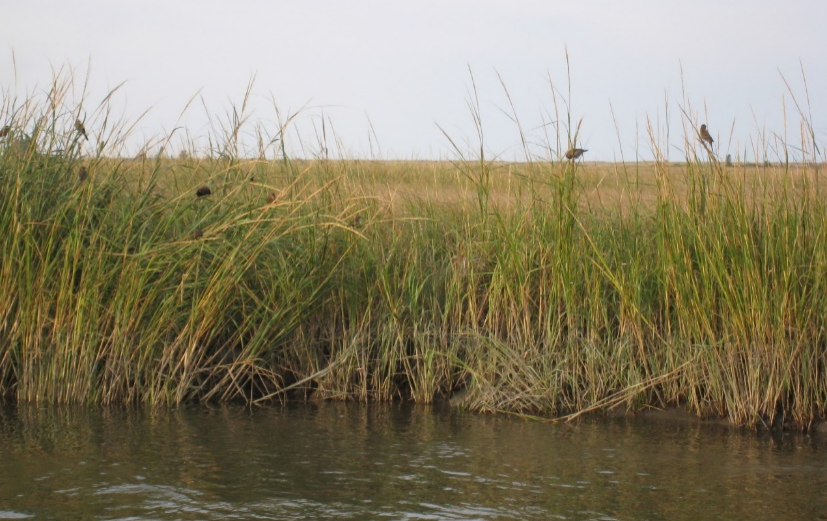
542 288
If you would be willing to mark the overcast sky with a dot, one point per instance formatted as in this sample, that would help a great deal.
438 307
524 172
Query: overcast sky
390 76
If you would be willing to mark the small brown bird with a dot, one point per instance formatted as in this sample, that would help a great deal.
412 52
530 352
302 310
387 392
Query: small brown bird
5 131
203 191
705 135
574 153
82 174
271 197
81 129
197 234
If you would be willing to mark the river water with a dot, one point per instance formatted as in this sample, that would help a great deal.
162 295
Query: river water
396 462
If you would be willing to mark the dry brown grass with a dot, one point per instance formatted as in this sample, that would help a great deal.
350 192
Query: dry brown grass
398 187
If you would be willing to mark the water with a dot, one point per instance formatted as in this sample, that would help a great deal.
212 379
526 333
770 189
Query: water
393 462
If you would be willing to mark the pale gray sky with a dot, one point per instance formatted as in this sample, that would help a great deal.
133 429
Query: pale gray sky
404 67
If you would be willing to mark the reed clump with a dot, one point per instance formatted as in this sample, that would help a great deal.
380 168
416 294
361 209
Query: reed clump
540 288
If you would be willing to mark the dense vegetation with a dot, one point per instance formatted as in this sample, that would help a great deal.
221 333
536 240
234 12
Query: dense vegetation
544 287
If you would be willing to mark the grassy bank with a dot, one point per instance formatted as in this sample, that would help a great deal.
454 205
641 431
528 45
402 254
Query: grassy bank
541 288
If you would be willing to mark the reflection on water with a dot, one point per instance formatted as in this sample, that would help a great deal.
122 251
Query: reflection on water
337 461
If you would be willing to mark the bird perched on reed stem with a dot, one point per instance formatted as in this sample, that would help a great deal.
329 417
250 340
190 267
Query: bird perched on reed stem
5 131
705 135
574 153
81 129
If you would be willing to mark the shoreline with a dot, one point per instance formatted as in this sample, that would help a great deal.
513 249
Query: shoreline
546 289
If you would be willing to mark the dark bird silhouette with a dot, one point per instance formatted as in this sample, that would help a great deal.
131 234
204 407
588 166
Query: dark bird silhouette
705 135
81 129
5 131
574 153
82 174
203 191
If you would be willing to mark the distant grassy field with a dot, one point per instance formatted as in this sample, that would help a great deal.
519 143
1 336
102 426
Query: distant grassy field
399 186
545 288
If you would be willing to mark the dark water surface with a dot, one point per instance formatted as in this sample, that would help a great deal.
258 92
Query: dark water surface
336 461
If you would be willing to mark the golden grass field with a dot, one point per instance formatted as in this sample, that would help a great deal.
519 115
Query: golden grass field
397 185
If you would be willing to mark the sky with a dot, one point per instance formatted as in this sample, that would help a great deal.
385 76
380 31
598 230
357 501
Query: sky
422 80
